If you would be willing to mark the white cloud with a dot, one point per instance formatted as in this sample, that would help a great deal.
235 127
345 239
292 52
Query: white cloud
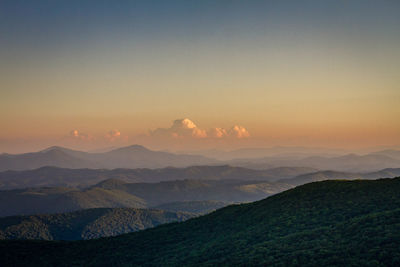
217 133
239 132
182 128
185 128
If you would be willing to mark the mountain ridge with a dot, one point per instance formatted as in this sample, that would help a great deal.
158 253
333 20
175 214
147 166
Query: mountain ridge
54 176
133 156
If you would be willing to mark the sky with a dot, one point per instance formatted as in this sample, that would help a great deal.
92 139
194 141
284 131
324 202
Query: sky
199 74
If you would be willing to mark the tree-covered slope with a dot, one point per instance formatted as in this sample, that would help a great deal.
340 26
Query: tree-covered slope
85 224
58 199
114 193
197 207
325 223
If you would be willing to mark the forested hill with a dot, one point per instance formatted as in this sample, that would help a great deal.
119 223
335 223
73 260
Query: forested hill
85 224
342 223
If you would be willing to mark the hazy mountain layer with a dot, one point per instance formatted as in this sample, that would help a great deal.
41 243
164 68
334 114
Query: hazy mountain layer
341 223
347 163
334 175
189 194
140 157
127 157
53 176
85 224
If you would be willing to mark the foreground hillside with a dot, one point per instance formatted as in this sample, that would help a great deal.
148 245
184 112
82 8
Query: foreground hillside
342 223
85 224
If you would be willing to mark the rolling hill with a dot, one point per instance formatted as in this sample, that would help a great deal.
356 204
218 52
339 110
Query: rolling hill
60 199
113 193
85 224
346 223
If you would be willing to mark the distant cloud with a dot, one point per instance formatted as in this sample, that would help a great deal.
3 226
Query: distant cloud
218 133
80 136
185 128
182 128
239 132
113 135
74 133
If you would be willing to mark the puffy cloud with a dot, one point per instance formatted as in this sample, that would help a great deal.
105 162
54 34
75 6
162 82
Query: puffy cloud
199 133
183 124
185 128
80 136
182 128
239 132
217 133
113 135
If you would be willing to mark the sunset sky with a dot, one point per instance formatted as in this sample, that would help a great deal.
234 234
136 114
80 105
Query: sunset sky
199 74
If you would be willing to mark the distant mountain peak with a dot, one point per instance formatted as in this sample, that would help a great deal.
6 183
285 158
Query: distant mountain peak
132 148
59 149
53 148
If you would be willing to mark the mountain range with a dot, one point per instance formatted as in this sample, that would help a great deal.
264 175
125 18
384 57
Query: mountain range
335 175
347 163
134 156
260 152
197 190
137 156
56 177
341 223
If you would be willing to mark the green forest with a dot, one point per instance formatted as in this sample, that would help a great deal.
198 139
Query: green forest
85 224
347 223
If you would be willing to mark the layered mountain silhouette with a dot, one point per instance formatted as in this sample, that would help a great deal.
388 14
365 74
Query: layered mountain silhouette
137 156
389 153
277 151
193 189
56 177
347 163
335 175
134 156
85 224
346 223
